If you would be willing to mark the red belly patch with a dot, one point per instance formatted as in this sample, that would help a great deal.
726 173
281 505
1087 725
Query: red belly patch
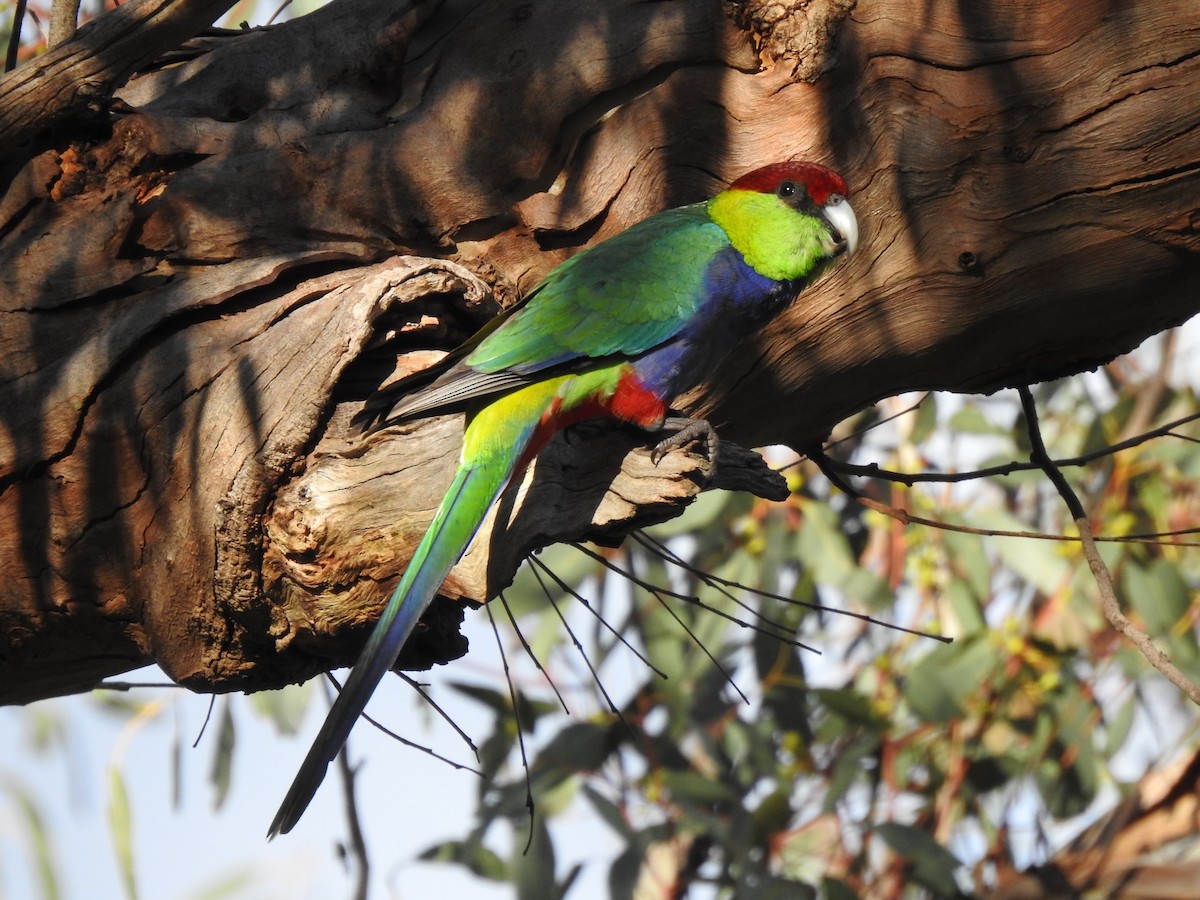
633 402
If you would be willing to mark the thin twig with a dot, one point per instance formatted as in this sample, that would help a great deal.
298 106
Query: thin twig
516 707
873 470
538 564
14 37
716 582
212 704
428 751
696 640
108 685
446 717
529 652
896 415
358 845
904 517
1100 572
278 12
668 555
861 431
696 601
599 618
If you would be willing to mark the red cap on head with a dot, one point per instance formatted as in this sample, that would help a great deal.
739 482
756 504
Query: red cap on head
820 181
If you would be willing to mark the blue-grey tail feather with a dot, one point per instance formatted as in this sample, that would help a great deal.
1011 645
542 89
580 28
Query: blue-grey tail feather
408 602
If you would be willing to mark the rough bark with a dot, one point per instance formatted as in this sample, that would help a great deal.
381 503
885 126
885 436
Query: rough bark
103 55
201 286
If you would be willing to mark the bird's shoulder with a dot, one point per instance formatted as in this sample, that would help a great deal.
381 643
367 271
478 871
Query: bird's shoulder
619 298
616 300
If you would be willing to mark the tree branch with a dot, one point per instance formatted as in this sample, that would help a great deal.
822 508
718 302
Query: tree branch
198 296
831 471
874 470
1104 582
359 858
90 66
64 21
14 36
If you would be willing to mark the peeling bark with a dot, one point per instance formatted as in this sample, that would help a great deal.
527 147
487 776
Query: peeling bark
200 288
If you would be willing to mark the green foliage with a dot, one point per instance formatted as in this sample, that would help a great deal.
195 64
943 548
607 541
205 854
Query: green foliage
885 763
121 828
285 708
33 824
221 774
889 758
933 866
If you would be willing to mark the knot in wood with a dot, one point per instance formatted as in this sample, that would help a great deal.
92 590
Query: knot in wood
971 263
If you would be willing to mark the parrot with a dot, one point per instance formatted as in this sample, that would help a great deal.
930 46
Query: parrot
615 332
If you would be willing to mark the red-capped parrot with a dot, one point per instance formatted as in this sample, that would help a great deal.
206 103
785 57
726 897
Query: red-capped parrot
617 331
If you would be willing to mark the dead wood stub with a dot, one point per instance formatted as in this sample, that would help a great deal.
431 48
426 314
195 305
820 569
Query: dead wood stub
194 302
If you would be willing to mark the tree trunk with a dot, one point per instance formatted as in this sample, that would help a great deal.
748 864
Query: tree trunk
203 283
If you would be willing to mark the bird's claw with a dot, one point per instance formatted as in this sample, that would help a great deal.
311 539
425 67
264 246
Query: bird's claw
683 432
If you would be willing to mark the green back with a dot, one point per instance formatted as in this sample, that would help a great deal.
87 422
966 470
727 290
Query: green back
623 297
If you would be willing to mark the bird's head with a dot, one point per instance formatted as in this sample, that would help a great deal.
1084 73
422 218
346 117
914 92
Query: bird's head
787 218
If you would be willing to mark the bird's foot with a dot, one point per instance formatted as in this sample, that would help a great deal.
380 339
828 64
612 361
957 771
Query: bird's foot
683 432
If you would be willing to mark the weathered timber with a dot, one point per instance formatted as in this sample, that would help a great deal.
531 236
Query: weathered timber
200 287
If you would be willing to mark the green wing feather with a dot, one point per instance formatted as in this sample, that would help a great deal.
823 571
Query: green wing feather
493 442
614 301
621 298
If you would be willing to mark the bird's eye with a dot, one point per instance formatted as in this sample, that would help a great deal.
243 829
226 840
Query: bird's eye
786 190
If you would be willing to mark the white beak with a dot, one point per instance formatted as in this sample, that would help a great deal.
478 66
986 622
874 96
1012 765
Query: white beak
839 214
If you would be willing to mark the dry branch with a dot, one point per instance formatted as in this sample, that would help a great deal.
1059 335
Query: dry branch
199 295
84 67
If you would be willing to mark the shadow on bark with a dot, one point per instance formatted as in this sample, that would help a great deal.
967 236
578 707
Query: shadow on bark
201 286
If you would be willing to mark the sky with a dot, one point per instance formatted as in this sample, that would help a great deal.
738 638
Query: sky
187 849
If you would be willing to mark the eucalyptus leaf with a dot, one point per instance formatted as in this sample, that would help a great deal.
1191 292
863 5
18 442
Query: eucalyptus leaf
933 865
120 826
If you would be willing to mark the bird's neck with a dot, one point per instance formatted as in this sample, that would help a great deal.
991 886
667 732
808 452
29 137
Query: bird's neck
775 240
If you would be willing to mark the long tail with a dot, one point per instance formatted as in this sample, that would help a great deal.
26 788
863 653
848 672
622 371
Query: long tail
463 508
